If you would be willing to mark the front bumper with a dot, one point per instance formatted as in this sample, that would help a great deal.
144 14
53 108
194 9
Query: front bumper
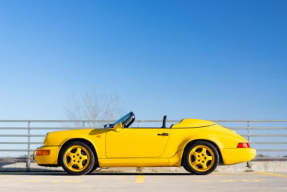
238 155
46 160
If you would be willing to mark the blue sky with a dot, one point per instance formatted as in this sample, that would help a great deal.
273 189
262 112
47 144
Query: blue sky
185 59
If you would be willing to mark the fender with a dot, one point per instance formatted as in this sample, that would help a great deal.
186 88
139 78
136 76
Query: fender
78 138
96 137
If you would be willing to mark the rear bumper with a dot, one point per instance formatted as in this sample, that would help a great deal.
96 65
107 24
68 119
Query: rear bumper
47 160
233 156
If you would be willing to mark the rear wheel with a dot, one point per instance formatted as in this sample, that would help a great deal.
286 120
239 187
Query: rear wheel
184 165
201 158
77 158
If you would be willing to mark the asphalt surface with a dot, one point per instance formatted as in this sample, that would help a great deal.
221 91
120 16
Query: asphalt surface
59 181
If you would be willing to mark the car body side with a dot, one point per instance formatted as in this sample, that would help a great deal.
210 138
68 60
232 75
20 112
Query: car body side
180 136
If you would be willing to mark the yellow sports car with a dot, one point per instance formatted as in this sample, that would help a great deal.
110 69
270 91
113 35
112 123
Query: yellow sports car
197 145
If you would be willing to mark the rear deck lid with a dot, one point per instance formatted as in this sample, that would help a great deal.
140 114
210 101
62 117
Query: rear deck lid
193 123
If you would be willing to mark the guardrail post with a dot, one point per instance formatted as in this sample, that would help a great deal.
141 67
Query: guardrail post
28 162
249 131
139 123
249 139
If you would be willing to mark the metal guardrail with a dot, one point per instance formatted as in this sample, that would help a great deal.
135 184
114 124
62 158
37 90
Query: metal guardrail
84 123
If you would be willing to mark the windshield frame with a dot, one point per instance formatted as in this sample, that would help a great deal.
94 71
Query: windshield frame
126 120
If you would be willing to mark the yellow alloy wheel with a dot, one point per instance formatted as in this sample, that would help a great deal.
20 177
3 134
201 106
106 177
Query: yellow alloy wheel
77 158
201 158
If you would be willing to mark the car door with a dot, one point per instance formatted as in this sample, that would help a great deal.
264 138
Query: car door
136 142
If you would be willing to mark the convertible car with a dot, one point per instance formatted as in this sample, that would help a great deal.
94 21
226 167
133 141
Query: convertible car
197 145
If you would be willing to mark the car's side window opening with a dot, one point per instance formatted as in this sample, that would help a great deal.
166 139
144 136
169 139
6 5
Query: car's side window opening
164 126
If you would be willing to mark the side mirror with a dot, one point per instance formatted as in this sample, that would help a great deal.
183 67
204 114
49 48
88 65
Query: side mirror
118 127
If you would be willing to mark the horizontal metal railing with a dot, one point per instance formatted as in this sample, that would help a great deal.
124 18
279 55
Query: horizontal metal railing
80 124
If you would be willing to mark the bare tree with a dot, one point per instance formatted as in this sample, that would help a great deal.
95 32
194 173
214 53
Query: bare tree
93 107
112 107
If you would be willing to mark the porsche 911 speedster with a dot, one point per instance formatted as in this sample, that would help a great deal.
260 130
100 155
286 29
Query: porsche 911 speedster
197 145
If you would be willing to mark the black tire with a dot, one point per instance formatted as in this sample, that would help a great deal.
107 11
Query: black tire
184 165
87 168
93 169
199 169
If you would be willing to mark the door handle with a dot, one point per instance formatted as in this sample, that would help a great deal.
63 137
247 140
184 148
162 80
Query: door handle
162 134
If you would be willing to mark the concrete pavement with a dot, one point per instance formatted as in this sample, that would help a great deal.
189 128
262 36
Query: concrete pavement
219 182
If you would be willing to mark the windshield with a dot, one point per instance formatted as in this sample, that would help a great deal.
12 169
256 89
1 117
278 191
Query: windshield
126 120
123 119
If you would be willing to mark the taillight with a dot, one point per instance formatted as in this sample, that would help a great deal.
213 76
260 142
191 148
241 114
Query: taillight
243 145
43 152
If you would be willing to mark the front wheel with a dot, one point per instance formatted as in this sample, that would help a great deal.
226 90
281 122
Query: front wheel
77 158
93 169
201 158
